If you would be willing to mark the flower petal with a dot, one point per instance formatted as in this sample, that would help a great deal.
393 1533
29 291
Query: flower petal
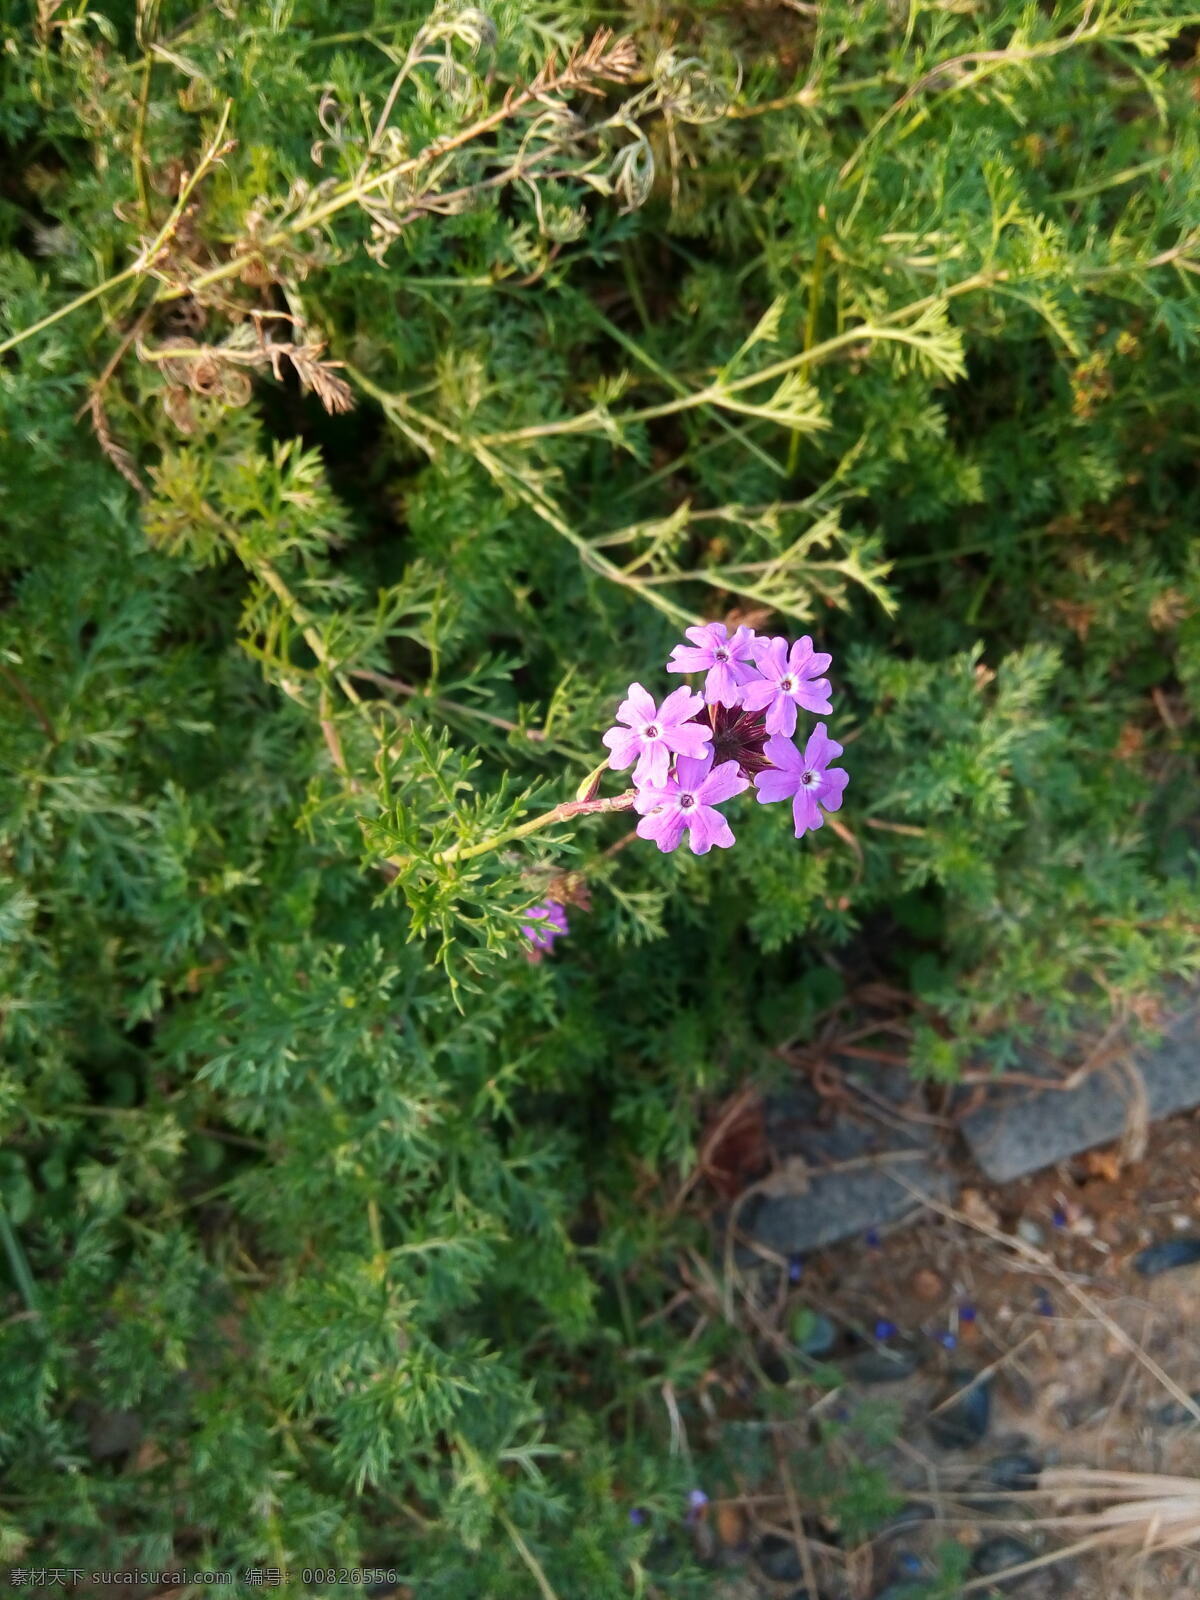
649 796
691 771
721 687
709 634
774 785
722 783
741 643
781 715
759 692
771 656
799 656
821 749
805 812
654 764
686 658
764 648
637 707
688 738
664 827
782 753
679 705
625 746
814 696
833 786
706 828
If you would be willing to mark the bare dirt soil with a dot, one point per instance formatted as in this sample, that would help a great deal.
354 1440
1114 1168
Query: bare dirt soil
1028 1291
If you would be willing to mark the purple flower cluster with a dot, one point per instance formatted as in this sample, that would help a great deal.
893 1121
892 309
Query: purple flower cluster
696 750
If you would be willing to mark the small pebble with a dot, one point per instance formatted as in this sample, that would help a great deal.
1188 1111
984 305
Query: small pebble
1167 1255
927 1285
1028 1230
964 1422
1175 1415
778 1559
1015 1471
995 1556
813 1332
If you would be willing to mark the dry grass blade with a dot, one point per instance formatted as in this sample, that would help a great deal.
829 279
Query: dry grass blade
1147 1510
1152 1514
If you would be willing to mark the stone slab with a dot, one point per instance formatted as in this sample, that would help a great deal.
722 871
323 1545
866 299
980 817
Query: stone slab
1021 1131
839 1201
844 1204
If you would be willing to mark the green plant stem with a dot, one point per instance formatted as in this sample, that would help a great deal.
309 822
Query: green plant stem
17 1262
560 813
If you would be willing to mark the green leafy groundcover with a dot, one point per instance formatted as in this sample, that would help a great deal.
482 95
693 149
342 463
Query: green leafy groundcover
384 390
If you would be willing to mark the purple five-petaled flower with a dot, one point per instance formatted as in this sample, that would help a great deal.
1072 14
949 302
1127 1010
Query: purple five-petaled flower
727 659
787 680
685 802
806 779
547 923
653 733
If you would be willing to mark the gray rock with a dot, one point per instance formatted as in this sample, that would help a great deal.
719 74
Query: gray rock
996 1556
1018 1470
1174 1415
1020 1131
964 1422
887 1153
1167 1256
778 1559
814 1334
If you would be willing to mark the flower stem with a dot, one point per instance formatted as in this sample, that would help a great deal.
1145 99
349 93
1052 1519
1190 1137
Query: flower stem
560 813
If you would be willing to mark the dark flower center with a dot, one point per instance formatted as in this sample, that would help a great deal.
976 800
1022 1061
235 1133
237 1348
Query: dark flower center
738 735
721 655
651 730
808 779
787 685
686 802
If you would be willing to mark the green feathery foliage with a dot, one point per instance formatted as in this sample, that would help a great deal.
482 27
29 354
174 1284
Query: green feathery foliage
382 389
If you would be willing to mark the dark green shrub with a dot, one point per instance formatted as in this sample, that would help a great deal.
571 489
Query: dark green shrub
351 471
